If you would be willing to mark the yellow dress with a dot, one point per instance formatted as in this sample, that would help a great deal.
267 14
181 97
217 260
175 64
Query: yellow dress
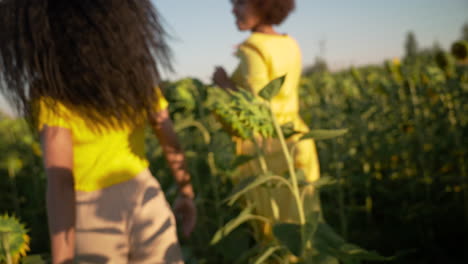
263 58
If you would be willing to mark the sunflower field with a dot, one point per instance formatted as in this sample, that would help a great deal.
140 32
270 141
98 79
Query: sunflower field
394 188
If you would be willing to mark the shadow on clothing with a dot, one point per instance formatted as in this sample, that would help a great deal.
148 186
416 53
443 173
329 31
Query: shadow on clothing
130 222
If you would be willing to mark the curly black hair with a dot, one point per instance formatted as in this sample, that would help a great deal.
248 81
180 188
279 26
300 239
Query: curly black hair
273 12
101 57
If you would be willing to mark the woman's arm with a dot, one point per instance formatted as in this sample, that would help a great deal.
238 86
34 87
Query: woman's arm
252 69
58 161
184 206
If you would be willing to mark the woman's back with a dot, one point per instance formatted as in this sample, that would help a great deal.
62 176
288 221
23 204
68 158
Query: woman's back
84 74
102 156
265 57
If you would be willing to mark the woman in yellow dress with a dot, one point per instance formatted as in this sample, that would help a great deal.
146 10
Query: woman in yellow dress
84 73
265 56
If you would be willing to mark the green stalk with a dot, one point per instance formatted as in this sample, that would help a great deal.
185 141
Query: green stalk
261 156
211 164
5 243
264 167
260 218
202 126
292 172
416 103
214 171
341 197
12 176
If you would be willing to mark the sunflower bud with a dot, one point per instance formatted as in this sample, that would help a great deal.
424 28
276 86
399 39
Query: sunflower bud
460 50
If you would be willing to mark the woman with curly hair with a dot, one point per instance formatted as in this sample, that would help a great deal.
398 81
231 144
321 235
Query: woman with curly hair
265 56
84 72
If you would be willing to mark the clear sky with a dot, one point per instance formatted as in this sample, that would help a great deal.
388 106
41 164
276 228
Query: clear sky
349 31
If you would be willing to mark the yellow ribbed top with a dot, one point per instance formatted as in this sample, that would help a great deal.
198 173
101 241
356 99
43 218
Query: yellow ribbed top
100 158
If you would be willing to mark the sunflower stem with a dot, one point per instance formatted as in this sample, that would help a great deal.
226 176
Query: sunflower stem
5 244
292 172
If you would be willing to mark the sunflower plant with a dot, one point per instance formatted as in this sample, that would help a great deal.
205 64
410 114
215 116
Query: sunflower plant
308 241
241 113
14 240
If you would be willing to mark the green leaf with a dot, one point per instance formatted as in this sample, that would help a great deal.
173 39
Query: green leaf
244 257
326 238
290 236
310 227
184 123
241 160
326 241
247 185
234 245
243 217
288 130
321 259
261 259
355 252
272 88
231 225
320 134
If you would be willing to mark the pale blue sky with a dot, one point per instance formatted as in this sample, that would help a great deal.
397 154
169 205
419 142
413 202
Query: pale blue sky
353 31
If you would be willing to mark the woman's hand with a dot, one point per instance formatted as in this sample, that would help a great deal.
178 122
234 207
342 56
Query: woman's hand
221 78
186 211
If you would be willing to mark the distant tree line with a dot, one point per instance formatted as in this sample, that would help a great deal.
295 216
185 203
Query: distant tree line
412 49
411 46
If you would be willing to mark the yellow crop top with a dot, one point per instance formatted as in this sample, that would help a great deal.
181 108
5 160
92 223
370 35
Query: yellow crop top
100 159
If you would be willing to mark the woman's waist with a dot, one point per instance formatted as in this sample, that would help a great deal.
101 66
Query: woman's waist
103 172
